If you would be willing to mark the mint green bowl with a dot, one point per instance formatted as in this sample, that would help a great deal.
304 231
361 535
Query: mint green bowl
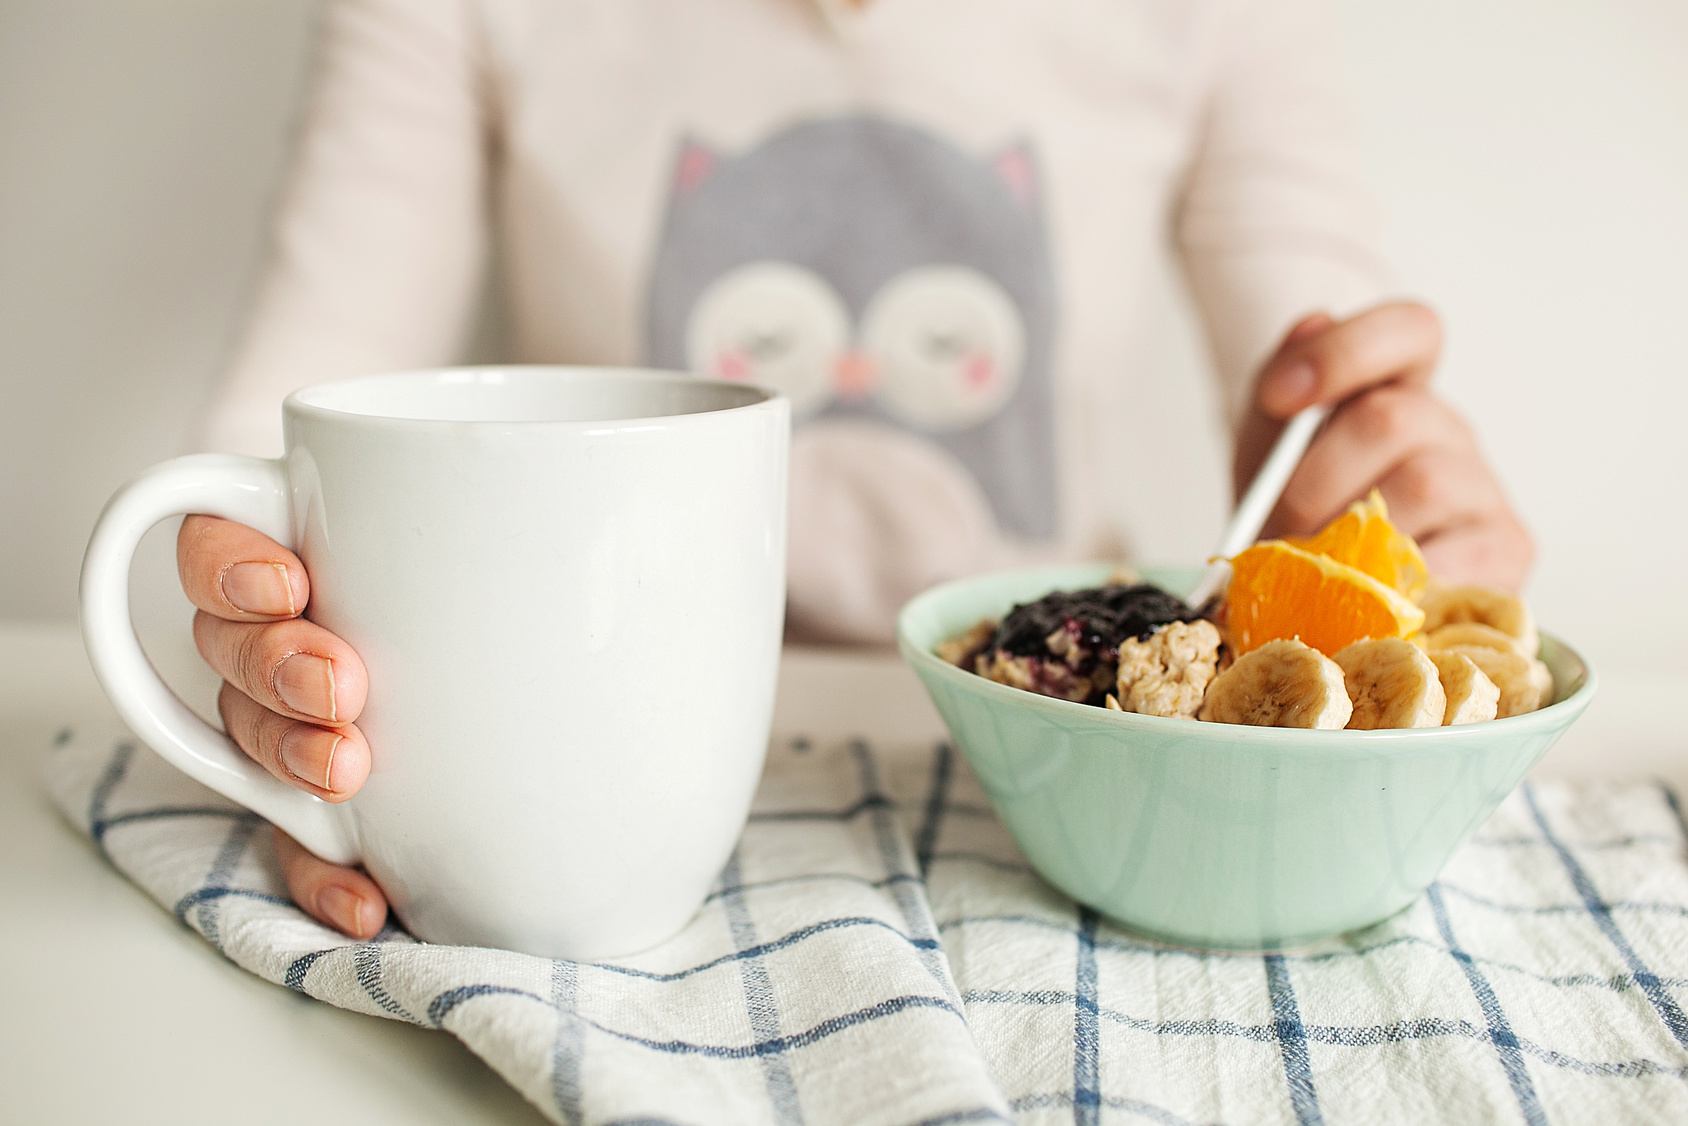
1212 835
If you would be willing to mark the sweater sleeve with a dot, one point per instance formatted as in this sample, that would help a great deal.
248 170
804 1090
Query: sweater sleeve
1275 220
379 245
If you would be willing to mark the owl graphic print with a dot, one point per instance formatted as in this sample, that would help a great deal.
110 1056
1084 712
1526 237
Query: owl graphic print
896 288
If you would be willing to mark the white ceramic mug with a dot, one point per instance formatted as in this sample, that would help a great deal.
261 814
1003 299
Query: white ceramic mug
568 588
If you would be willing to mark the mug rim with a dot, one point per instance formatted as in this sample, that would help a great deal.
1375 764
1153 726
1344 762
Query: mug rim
299 403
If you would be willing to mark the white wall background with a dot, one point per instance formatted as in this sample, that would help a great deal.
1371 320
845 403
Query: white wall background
1533 156
140 144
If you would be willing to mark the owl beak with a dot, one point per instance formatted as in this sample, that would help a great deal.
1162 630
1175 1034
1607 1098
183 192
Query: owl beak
854 375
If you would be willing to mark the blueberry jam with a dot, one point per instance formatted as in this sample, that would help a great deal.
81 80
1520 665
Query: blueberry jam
1099 618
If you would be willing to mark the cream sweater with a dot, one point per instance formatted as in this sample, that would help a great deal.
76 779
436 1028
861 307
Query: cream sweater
928 221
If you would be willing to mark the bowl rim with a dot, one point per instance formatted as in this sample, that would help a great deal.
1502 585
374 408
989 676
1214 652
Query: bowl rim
1286 739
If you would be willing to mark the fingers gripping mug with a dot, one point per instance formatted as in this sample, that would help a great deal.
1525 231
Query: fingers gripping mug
568 588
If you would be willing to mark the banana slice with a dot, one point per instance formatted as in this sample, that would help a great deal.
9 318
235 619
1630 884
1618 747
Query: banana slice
1392 683
1523 685
1281 684
1472 696
1473 633
1505 612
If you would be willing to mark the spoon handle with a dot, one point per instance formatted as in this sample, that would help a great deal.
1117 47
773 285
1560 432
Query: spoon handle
1258 502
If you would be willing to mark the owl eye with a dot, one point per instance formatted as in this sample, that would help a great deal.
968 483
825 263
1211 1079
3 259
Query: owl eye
949 345
942 347
766 347
774 324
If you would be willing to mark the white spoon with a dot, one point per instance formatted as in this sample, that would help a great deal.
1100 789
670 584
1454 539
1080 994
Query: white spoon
1258 502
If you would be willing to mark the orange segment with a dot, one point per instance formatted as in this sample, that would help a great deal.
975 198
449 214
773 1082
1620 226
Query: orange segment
1363 538
1280 590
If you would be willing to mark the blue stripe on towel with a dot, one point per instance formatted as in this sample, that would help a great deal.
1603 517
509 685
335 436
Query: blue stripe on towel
758 950
1013 866
367 960
977 1114
1336 1035
759 1000
1292 1042
167 812
213 894
1617 983
942 762
1669 1011
568 1043
301 966
206 900
1676 811
911 903
1585 846
443 1005
848 813
121 756
1087 1039
811 878
1638 906
1500 1029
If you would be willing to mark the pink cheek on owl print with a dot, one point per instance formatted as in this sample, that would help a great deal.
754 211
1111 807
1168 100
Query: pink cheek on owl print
733 366
978 372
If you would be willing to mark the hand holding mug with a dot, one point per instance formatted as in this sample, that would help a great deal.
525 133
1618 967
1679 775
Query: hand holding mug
291 695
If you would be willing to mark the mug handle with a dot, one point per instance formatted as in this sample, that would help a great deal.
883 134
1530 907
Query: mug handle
246 489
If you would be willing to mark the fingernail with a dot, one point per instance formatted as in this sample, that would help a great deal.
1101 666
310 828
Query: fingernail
1292 385
341 907
259 588
305 683
308 754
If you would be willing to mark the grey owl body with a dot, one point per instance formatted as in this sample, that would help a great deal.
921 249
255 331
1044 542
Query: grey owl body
873 271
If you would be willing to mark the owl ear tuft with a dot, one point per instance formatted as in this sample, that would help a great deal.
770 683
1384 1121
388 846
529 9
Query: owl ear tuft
1017 169
693 166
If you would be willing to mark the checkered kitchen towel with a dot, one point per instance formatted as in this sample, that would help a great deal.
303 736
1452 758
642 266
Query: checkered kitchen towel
877 951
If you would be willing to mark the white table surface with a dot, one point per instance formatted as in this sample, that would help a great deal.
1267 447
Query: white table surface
113 1011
